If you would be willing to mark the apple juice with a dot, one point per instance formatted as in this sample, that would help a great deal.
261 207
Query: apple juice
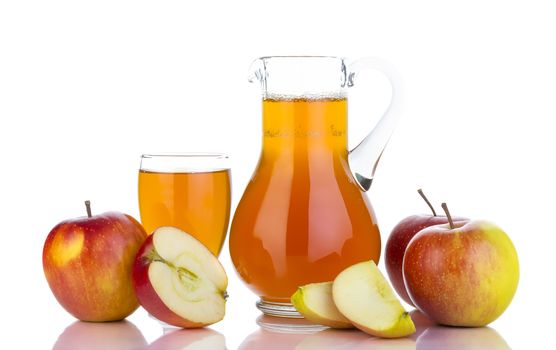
302 218
196 202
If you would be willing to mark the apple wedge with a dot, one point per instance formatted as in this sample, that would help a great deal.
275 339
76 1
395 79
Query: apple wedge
178 280
314 302
364 297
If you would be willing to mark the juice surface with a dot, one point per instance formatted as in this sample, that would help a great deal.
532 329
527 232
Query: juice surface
198 203
302 218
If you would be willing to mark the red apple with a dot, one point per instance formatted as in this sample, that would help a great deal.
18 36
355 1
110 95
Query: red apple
398 240
178 280
87 262
461 274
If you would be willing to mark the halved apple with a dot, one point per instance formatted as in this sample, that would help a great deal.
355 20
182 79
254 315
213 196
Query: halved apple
178 280
364 297
314 302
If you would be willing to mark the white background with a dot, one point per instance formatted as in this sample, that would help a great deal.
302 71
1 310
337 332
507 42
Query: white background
87 86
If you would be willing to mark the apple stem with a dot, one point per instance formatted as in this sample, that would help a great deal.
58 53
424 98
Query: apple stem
445 207
88 206
427 201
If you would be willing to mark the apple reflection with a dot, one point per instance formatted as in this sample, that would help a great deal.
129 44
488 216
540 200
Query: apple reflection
431 336
328 339
284 334
451 338
122 335
190 339
354 340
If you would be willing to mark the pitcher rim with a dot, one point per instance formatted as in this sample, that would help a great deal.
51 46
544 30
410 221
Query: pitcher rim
302 56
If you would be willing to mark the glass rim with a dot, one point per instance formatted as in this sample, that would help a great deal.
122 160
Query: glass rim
187 162
197 155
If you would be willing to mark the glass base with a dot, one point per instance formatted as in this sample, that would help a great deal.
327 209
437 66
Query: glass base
288 325
270 308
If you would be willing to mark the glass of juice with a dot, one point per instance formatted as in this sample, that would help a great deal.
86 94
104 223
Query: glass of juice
190 191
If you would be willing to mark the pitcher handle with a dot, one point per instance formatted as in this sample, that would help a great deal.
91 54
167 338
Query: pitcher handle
364 158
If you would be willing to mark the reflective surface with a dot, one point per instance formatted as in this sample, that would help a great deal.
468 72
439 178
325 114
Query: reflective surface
427 337
122 335
272 334
204 338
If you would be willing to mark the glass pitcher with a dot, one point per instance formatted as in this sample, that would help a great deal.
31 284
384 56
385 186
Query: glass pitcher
304 215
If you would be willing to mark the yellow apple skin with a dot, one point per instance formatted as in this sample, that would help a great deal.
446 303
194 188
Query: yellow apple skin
465 276
403 328
328 314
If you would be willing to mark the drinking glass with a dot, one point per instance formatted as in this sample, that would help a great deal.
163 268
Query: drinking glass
190 191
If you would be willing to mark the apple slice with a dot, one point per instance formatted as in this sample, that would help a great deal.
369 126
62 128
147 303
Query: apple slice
365 298
178 280
314 302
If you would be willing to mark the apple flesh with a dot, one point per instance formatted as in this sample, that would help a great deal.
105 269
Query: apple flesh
398 240
314 302
87 262
461 275
366 299
178 280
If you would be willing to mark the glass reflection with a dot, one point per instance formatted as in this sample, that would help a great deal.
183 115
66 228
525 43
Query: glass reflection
122 335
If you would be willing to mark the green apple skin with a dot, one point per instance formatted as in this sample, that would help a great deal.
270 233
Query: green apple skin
465 276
